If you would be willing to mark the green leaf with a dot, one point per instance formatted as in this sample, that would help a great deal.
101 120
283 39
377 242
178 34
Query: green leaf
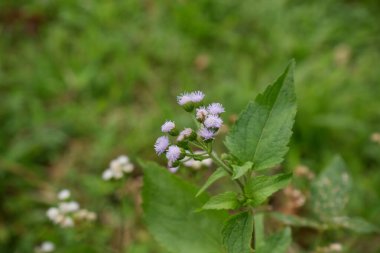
263 130
295 221
227 200
278 242
330 191
218 174
237 233
259 188
169 205
357 224
239 171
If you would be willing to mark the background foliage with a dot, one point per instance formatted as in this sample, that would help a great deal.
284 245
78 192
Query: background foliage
84 81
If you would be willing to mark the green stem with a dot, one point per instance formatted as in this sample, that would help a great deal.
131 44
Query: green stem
259 229
219 162
122 216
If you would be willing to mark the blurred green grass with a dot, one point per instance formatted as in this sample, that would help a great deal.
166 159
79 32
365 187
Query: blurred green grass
84 81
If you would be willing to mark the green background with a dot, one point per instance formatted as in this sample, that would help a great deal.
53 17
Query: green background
84 81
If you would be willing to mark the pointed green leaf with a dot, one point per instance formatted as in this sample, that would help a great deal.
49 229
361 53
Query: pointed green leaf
330 191
218 174
239 171
169 205
227 200
278 242
357 224
237 233
259 188
263 130
296 221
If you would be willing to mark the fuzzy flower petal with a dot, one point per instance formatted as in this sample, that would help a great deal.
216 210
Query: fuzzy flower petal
206 134
215 108
64 194
161 145
197 96
167 126
174 153
213 121
184 98
201 113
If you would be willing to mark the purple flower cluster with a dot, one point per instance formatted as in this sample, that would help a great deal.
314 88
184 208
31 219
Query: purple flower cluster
210 124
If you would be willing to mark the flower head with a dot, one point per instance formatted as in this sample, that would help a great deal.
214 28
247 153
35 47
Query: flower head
173 169
52 213
174 153
201 113
167 126
64 194
161 144
184 98
187 133
197 96
46 247
107 175
206 134
215 108
213 121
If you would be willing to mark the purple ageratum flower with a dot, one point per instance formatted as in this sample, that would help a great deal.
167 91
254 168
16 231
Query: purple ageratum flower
197 96
206 134
215 108
161 144
213 121
174 153
167 126
201 113
184 98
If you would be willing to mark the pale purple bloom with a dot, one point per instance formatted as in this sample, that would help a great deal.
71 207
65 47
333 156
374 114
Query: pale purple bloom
173 169
215 108
161 144
201 113
197 96
174 153
213 121
206 134
184 98
167 126
186 132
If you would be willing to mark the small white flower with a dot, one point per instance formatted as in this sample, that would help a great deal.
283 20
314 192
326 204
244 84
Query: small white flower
68 207
123 159
207 162
201 113
186 133
64 194
161 144
197 96
52 213
46 247
107 175
184 98
67 222
174 153
173 169
213 121
215 108
167 126
193 164
337 247
128 168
